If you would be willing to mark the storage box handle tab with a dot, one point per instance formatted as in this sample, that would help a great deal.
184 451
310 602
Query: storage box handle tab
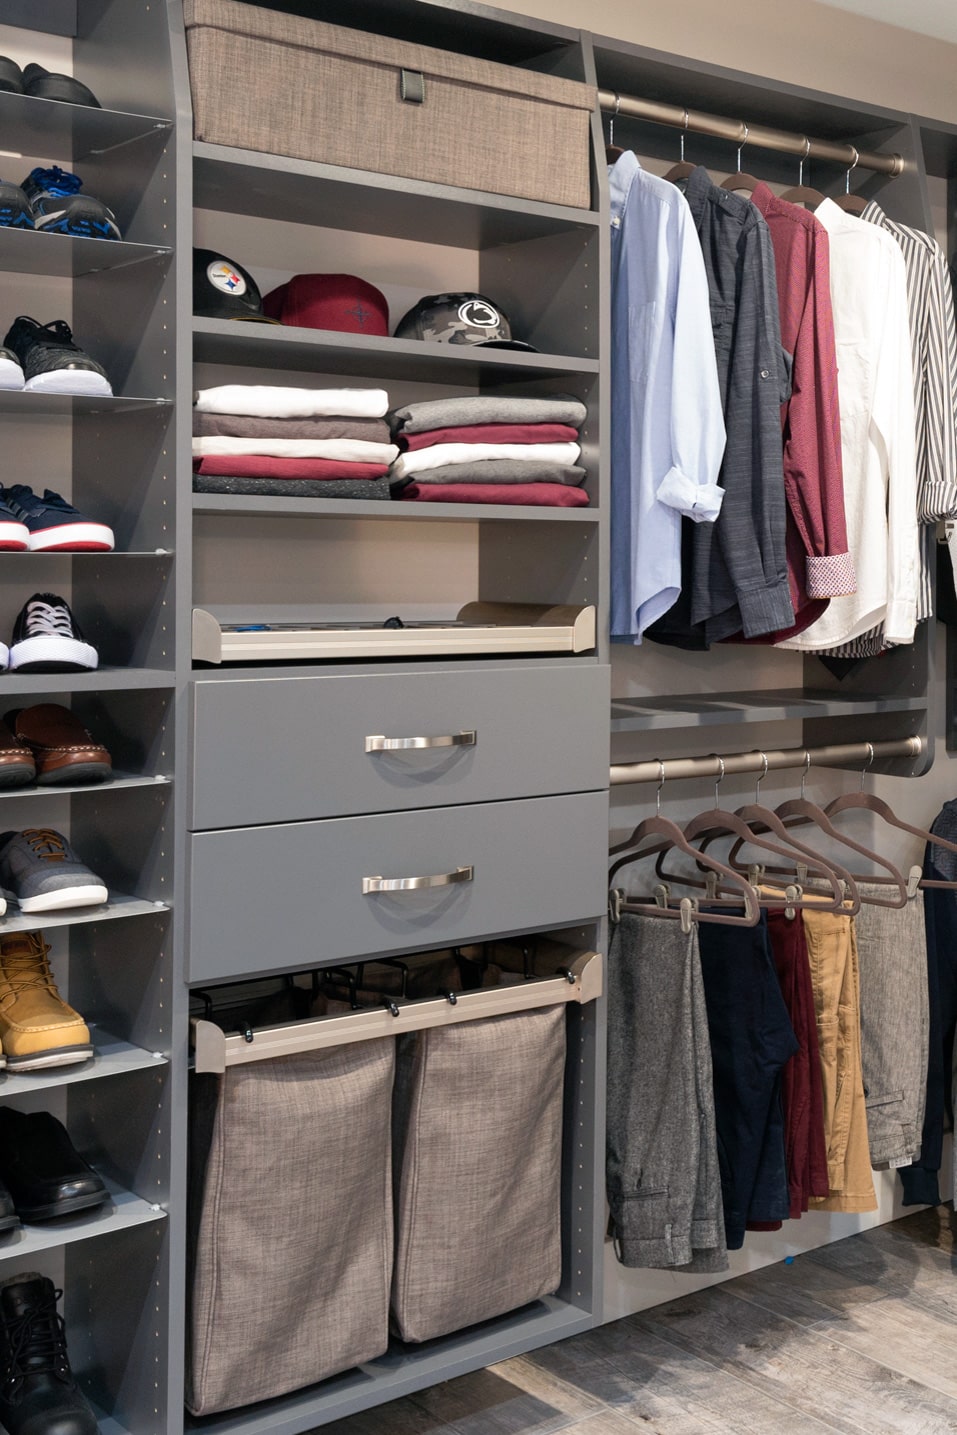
412 86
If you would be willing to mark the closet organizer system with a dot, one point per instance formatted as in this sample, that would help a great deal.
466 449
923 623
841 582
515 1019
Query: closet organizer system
251 864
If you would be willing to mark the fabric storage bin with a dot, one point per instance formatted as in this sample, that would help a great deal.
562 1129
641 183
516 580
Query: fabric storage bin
477 1135
316 91
291 1226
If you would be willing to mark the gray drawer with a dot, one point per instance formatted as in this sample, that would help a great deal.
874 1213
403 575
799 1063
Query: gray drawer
272 898
289 749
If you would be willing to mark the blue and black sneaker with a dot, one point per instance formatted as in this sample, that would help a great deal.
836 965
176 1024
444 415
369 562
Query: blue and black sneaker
58 207
15 210
52 525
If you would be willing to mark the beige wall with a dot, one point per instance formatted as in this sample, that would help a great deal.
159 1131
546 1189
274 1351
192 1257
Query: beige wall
795 40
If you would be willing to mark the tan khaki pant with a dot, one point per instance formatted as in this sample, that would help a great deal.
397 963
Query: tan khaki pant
832 951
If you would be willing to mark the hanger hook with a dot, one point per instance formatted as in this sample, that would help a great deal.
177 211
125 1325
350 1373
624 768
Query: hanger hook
741 146
684 131
764 773
807 151
807 769
661 783
868 764
611 122
720 778
847 177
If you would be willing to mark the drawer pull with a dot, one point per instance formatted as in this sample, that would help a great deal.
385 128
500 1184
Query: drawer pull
407 744
413 884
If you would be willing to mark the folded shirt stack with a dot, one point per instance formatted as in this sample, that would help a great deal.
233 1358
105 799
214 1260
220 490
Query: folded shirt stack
490 449
292 443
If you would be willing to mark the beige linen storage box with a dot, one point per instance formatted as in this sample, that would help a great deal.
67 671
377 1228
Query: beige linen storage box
264 80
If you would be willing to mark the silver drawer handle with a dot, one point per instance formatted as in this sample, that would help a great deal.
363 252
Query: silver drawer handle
405 744
413 884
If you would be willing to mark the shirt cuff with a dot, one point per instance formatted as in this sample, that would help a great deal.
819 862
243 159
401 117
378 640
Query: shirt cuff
900 622
831 576
698 501
767 610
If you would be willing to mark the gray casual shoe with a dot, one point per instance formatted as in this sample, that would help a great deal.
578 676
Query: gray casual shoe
44 874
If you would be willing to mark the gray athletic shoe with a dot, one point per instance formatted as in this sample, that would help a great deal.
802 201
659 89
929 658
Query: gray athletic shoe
42 871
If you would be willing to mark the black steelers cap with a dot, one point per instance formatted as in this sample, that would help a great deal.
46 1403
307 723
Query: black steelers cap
459 319
223 289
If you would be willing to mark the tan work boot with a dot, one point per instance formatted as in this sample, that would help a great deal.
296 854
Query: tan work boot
37 1027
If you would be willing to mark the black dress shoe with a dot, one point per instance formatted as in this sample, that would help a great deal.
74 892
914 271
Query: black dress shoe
11 76
38 1393
48 85
9 1219
45 1174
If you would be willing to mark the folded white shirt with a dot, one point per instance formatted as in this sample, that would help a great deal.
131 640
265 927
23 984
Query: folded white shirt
443 453
268 402
342 450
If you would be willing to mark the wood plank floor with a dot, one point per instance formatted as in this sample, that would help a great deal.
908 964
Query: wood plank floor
859 1336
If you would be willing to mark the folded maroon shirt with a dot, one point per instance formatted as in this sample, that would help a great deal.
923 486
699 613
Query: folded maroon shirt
541 495
491 433
253 465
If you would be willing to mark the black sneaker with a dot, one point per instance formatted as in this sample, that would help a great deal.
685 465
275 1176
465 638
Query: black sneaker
51 362
57 206
11 374
15 210
51 524
11 76
47 638
48 85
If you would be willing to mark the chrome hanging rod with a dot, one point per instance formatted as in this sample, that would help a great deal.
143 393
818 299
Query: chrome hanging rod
737 132
845 754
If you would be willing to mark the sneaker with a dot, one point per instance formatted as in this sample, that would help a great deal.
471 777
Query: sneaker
42 1169
51 362
38 1390
47 638
11 374
14 534
38 1029
11 76
48 85
52 524
43 872
57 206
57 744
15 210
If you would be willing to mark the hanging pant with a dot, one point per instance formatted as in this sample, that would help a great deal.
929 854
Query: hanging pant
832 952
892 945
751 1041
661 1166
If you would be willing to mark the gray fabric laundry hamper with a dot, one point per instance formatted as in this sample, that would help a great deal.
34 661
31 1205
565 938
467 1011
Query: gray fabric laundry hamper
477 1136
291 1225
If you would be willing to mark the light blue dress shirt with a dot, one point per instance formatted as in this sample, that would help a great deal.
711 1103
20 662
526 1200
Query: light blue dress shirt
667 430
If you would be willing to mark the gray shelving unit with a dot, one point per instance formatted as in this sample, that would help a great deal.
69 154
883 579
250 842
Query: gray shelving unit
198 748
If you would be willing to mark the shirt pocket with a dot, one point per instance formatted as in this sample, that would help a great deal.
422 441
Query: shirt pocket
855 378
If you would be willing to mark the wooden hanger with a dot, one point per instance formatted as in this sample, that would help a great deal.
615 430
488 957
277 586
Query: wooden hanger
683 168
851 203
801 192
740 180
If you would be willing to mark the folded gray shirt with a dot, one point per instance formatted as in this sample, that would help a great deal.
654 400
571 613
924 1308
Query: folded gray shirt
496 470
281 488
246 426
487 409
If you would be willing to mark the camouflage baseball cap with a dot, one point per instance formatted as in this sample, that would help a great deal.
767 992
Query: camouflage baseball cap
459 319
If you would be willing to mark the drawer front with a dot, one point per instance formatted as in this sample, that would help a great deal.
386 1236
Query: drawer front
274 898
292 749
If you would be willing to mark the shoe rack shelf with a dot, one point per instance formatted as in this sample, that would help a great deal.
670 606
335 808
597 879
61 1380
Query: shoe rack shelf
101 680
26 251
112 1057
124 1211
119 906
19 404
34 126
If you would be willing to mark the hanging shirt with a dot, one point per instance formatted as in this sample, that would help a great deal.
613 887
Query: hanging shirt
876 385
667 431
734 572
819 563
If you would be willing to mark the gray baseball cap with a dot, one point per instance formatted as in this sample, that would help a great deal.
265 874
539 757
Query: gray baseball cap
460 319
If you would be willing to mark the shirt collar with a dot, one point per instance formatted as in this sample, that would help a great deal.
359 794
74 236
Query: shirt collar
621 177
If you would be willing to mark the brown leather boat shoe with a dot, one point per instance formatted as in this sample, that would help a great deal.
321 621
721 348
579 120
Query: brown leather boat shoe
62 749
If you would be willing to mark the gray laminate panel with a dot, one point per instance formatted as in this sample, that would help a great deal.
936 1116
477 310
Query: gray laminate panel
291 749
290 896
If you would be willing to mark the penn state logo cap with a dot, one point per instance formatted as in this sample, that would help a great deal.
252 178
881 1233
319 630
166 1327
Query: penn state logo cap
460 319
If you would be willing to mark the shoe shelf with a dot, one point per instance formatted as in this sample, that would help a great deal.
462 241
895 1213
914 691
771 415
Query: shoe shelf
374 508
77 132
99 680
28 251
264 346
647 714
119 905
119 781
124 1211
23 556
17 403
237 181
112 1057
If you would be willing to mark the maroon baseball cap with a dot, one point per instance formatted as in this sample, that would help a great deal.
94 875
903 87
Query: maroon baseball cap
330 301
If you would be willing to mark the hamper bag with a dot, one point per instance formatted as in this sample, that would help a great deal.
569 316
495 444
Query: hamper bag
290 1222
265 80
477 1133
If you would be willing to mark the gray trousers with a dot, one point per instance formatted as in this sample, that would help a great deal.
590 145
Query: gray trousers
892 950
661 1163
